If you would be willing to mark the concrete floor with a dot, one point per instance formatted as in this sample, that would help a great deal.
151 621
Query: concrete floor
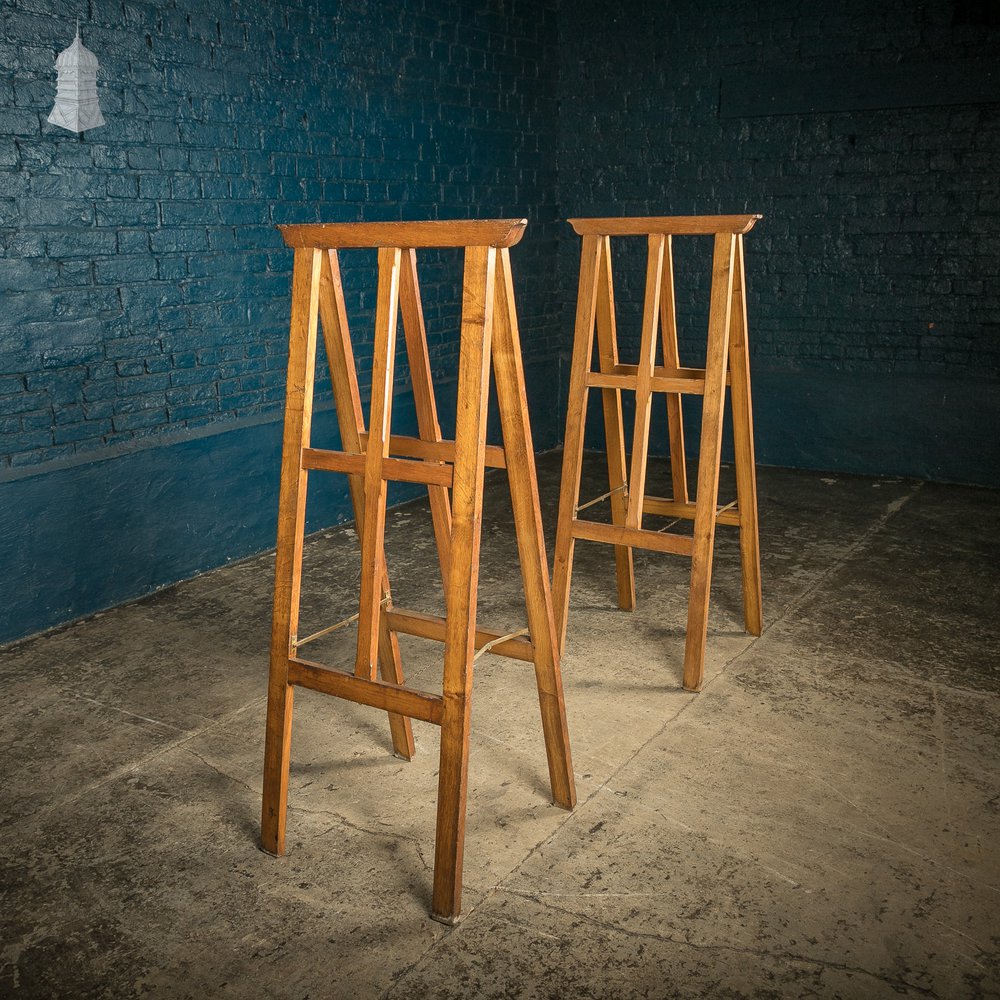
820 821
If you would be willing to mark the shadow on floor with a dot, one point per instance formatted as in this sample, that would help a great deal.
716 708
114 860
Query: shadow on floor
820 821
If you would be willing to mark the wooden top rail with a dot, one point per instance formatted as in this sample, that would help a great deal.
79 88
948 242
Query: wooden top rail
408 235
673 225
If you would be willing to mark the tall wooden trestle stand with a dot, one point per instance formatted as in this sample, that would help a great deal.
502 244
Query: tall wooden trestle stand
453 472
727 363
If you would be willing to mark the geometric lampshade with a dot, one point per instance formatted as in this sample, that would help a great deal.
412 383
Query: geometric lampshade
76 106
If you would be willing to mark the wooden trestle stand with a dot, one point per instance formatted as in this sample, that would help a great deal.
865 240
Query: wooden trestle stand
727 363
453 473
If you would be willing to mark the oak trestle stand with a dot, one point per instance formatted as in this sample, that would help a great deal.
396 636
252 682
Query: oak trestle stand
453 472
727 363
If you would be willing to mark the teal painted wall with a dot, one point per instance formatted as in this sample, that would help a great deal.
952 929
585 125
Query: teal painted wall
145 290
868 135
143 333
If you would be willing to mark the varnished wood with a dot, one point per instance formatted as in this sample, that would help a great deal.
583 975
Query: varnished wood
288 556
727 341
672 360
709 453
668 373
394 469
415 335
513 405
436 451
656 383
351 422
644 381
659 541
407 235
378 694
746 475
671 508
369 458
576 418
665 225
614 424
434 627
373 526
463 578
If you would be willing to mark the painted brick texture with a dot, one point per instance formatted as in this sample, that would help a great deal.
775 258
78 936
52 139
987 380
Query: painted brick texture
145 290
881 240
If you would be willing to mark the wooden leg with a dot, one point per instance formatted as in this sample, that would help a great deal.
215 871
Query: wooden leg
423 397
746 475
288 558
513 403
463 578
350 418
672 359
576 417
644 379
614 432
708 460
373 528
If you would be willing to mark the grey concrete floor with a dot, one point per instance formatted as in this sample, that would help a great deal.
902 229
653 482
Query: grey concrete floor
820 821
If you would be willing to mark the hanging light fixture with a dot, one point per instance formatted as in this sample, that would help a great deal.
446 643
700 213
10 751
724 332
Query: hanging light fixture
76 107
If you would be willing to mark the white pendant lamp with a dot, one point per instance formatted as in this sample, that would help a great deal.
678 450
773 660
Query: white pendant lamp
76 106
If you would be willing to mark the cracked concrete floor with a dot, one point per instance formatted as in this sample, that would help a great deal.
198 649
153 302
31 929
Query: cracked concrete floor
820 821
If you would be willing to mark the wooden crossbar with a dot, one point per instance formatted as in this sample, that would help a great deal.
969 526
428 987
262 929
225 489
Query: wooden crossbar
453 472
409 235
665 372
613 534
673 508
437 451
390 697
667 225
435 627
399 469
657 383
727 365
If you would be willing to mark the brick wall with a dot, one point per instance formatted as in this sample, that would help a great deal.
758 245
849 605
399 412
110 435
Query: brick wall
144 307
145 291
880 246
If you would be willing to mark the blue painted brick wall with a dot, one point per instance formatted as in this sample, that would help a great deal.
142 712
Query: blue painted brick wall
881 236
145 290
877 261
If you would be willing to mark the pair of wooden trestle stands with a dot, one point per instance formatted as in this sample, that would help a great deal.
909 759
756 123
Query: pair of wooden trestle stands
454 471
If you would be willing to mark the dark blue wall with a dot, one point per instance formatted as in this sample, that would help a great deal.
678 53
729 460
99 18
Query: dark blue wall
145 291
868 134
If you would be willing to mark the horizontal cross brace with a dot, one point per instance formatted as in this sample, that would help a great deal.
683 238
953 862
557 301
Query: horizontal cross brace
677 225
660 371
434 627
397 469
436 451
600 380
437 233
674 508
690 381
612 534
378 694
